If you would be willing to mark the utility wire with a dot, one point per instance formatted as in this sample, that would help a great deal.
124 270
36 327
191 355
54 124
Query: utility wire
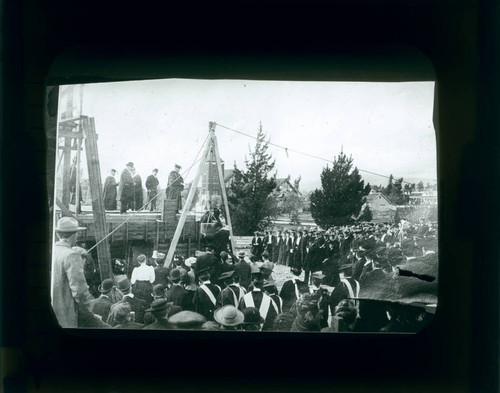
287 149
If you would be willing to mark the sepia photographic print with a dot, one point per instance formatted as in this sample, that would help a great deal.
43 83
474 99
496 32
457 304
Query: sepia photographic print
244 205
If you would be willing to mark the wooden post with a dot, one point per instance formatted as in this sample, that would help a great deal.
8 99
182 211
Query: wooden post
65 211
77 188
66 171
103 253
185 211
222 185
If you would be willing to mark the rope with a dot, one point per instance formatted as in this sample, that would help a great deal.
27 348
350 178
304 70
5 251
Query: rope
287 149
196 160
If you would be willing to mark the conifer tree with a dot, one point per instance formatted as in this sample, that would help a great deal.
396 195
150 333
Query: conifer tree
341 196
250 202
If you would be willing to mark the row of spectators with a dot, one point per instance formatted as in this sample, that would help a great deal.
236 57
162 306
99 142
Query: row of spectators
229 292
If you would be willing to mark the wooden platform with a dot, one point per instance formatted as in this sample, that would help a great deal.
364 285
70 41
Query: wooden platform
138 226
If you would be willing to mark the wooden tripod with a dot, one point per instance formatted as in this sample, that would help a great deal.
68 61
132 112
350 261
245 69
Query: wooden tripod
211 146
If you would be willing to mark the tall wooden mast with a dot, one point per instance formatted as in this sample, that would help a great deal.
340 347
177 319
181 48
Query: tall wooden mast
211 146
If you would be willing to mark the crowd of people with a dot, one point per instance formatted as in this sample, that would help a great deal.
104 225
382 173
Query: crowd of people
223 291
129 192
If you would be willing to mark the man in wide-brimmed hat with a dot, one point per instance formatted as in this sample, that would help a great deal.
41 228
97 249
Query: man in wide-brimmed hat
161 311
229 317
70 292
102 304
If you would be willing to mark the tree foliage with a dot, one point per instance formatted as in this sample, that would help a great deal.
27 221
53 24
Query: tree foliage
341 196
394 191
251 204
366 214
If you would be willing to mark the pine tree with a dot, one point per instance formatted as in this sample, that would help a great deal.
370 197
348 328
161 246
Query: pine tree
341 196
366 214
250 196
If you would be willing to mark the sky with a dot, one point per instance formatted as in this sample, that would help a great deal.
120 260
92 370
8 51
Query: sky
386 127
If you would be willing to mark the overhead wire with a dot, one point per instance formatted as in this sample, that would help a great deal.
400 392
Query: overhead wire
288 149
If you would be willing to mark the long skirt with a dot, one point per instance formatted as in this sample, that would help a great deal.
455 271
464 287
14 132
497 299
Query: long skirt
143 290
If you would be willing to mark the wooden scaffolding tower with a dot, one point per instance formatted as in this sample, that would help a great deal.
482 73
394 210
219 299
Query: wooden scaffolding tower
73 131
211 147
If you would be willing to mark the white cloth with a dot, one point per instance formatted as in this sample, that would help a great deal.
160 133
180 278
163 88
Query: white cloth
143 273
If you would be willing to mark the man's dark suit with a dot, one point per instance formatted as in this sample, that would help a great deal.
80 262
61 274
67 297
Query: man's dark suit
203 304
272 313
161 275
227 296
205 261
179 296
101 306
152 186
288 293
126 191
137 305
244 272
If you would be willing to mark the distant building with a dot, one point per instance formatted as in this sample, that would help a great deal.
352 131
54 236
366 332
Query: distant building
382 209
428 197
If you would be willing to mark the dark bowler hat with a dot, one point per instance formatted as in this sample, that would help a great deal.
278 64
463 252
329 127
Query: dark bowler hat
175 274
158 291
158 305
187 320
204 272
177 166
106 286
68 225
229 315
130 164
124 285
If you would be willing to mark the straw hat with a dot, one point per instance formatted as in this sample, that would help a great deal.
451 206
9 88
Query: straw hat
229 316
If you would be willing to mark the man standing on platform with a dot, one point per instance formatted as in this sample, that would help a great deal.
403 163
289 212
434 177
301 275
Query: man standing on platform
138 196
152 187
110 191
175 186
126 188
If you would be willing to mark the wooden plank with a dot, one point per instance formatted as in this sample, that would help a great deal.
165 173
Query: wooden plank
103 253
185 211
66 171
222 185
65 211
